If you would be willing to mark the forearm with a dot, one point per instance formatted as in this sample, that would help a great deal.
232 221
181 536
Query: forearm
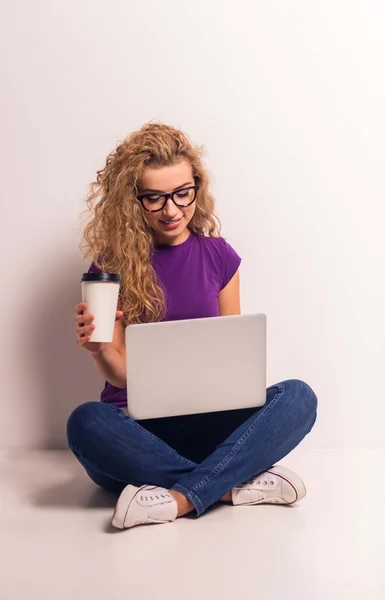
112 365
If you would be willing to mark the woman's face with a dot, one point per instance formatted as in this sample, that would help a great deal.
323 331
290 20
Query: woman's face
169 225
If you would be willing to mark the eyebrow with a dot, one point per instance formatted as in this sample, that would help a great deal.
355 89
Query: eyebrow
163 192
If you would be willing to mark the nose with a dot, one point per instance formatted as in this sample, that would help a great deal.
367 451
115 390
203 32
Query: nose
170 210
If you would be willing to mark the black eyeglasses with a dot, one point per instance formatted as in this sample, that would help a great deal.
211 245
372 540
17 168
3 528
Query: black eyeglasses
182 198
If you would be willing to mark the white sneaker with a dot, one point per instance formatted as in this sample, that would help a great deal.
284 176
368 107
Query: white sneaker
147 504
278 485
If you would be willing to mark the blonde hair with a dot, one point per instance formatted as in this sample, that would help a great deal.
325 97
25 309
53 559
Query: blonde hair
118 237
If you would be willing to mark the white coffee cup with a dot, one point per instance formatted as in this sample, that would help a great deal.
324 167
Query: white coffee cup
101 292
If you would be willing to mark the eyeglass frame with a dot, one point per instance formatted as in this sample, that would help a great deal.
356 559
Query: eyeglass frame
169 196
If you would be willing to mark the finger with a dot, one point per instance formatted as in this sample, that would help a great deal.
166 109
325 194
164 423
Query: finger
119 315
86 319
84 340
80 308
87 330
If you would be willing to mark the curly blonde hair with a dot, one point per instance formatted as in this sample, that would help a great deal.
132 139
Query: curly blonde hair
118 237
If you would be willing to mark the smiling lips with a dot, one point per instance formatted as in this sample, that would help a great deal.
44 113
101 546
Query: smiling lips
171 224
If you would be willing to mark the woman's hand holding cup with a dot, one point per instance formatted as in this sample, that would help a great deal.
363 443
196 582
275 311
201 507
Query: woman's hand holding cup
85 327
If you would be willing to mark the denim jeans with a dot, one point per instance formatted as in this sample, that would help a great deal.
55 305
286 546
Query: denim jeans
202 456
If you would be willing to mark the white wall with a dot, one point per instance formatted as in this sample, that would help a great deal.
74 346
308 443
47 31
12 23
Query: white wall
288 98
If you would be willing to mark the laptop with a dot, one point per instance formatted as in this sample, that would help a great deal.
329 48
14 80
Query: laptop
196 366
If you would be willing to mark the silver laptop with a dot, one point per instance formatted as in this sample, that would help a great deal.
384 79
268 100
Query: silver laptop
196 366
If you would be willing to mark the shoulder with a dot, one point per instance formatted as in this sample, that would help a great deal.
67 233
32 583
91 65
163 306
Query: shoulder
222 255
217 245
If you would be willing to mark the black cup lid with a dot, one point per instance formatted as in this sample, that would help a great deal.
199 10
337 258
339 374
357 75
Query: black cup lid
112 277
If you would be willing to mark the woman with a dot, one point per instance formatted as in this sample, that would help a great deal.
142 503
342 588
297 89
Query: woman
153 222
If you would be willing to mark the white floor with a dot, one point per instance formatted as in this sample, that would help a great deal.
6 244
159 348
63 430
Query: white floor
56 541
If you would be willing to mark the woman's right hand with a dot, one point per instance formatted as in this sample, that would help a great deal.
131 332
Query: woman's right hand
85 326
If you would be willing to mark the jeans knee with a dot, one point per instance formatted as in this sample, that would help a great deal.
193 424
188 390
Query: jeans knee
83 422
304 399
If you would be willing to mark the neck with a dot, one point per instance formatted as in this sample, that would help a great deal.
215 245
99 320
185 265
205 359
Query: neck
179 239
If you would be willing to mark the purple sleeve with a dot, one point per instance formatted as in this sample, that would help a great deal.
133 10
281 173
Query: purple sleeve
231 262
94 269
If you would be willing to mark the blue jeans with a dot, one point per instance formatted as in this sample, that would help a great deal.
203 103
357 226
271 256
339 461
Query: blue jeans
202 456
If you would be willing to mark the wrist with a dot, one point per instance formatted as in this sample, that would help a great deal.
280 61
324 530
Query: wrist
104 348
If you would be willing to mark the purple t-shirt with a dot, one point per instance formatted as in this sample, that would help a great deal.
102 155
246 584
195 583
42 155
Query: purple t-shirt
192 274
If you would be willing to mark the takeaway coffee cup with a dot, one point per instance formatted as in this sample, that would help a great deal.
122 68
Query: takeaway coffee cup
101 292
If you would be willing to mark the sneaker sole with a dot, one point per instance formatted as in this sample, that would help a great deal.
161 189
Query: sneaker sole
123 504
293 479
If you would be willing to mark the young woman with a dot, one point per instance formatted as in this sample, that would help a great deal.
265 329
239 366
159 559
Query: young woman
153 222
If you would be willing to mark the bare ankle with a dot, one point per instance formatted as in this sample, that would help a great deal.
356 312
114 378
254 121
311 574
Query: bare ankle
184 505
227 497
